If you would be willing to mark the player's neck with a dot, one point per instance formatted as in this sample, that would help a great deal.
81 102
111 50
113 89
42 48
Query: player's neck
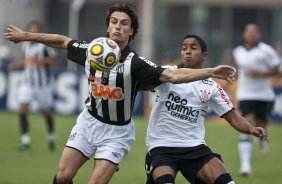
249 46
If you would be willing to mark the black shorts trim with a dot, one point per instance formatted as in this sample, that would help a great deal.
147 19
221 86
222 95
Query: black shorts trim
78 151
186 160
106 160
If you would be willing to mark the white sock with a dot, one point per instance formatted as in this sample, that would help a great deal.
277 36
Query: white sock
52 137
245 150
26 139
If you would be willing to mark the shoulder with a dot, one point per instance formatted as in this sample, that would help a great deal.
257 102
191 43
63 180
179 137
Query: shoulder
265 46
78 44
237 49
144 61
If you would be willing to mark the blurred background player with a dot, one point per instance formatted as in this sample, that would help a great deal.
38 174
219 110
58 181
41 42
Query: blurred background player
256 62
176 132
35 85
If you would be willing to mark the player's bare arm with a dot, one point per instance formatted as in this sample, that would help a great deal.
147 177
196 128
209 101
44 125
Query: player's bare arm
16 35
238 122
269 73
182 75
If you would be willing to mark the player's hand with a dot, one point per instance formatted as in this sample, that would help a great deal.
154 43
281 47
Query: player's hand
14 34
225 72
259 132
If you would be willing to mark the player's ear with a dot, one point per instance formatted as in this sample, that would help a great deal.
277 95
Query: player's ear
205 55
131 32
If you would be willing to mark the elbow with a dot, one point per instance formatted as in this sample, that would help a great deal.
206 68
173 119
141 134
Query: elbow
174 80
170 76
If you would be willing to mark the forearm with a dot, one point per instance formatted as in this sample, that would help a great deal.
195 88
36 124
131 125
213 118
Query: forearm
52 40
183 75
271 72
238 122
242 126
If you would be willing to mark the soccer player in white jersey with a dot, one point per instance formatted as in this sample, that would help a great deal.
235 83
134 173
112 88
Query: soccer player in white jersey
256 62
176 132
35 85
104 130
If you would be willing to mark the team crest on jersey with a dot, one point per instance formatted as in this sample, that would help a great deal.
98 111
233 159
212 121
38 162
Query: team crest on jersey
204 95
120 68
208 82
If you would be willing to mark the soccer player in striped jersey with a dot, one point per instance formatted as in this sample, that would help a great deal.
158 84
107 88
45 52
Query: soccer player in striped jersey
35 85
257 62
105 130
176 132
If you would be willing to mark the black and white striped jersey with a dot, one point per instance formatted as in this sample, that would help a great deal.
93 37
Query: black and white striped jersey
112 93
36 72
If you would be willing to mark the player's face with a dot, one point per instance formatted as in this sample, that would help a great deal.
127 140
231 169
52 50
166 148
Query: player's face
191 54
251 34
119 28
33 28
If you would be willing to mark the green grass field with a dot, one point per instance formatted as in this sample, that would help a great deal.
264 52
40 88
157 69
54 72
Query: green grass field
39 165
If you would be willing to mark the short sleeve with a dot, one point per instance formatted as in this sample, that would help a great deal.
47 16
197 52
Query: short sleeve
146 72
220 101
273 57
77 51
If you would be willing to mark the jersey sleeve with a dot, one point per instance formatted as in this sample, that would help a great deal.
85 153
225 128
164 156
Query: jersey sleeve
145 71
77 51
273 57
220 101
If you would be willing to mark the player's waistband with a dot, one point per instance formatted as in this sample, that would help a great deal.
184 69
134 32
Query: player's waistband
117 123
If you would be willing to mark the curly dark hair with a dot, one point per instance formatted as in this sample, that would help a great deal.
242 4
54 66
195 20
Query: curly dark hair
126 8
201 42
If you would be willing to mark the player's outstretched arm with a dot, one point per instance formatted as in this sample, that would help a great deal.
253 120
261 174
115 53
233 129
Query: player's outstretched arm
238 122
16 35
183 75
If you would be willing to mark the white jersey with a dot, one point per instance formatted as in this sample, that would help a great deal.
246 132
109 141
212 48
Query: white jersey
178 114
262 57
36 72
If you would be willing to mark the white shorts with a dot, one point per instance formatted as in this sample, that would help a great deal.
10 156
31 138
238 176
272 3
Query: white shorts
43 96
99 140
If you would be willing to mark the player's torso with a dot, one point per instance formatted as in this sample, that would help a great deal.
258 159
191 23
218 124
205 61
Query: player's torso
177 117
250 87
255 58
35 72
113 92
185 102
